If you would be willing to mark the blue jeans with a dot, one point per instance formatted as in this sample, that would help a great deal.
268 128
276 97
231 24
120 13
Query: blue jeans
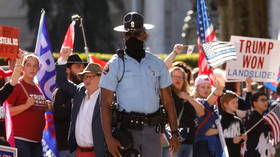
186 150
165 152
28 149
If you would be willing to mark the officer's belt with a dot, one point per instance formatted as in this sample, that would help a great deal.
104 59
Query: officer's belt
137 121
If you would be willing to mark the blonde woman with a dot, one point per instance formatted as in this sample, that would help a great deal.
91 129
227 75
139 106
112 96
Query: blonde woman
187 110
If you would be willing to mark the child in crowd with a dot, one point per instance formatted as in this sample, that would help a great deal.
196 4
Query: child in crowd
207 142
232 127
258 143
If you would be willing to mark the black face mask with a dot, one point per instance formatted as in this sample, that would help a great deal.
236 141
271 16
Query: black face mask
135 48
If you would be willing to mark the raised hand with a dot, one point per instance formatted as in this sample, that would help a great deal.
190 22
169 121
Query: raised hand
20 56
219 87
178 48
65 53
17 70
249 84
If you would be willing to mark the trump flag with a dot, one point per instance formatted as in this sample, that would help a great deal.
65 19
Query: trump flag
46 80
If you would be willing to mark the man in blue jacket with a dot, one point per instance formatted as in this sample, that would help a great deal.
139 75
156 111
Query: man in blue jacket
85 133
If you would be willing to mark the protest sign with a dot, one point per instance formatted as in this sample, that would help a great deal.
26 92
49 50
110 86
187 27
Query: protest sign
9 46
257 58
6 151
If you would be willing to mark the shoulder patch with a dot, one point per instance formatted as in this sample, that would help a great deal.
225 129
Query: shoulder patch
106 68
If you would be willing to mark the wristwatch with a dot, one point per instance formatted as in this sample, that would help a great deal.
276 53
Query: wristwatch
175 132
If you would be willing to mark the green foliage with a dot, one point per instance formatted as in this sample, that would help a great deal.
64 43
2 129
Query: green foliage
189 59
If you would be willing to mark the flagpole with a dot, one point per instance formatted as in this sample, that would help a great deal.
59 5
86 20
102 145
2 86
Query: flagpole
85 41
249 130
258 122
76 18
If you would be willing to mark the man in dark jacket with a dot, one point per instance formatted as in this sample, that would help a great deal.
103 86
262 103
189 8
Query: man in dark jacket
63 103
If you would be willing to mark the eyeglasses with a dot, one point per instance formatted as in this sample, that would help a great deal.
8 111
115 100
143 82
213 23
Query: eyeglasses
263 100
178 77
89 76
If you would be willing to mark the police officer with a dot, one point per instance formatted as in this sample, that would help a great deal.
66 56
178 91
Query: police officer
140 81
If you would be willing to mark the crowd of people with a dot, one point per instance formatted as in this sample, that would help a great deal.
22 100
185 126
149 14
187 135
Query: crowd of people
137 105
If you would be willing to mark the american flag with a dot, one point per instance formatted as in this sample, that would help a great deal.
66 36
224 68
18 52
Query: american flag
206 33
273 119
218 52
46 80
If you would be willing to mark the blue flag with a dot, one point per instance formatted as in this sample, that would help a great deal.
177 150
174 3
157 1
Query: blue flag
46 80
273 85
46 73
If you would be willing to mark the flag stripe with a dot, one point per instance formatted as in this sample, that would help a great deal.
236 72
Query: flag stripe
220 62
225 52
277 126
219 46
273 125
221 58
211 36
273 119
218 52
272 122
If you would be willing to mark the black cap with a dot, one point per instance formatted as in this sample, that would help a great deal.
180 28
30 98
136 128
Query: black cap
74 59
133 21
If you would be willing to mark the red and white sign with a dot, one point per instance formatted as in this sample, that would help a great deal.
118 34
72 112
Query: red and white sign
9 42
257 58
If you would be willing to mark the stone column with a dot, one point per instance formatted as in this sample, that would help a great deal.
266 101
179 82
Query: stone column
154 11
135 5
273 19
